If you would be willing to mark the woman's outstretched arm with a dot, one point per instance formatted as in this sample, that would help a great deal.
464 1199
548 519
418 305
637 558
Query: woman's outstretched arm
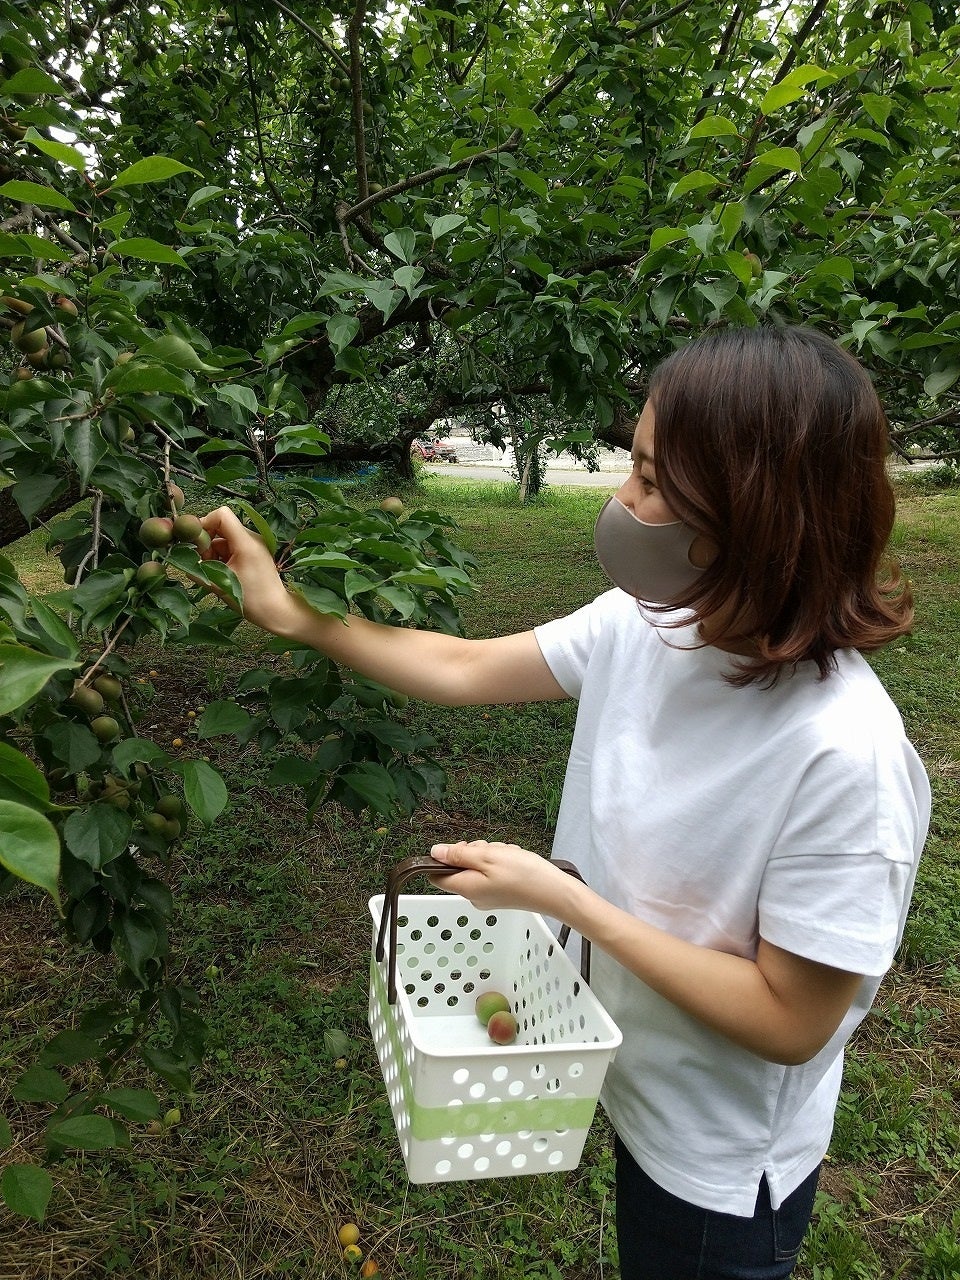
447 670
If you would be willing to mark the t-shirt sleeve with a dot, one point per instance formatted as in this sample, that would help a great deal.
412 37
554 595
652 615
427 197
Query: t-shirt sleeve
838 884
567 643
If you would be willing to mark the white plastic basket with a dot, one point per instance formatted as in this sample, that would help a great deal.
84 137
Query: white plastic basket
464 1107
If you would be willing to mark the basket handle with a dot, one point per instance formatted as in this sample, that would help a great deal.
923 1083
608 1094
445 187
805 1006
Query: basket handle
419 864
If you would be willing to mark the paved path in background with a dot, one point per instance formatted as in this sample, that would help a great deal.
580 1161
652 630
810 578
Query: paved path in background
583 479
608 478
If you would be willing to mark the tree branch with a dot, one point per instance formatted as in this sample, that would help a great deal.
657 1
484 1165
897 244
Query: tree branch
356 98
312 31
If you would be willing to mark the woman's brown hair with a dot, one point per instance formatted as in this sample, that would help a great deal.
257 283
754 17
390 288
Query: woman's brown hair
771 441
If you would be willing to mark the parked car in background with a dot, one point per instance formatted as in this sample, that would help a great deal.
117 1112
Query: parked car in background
432 451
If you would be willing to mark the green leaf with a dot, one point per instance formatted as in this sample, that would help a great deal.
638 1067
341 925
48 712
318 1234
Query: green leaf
35 193
173 350
32 493
136 940
934 384
139 378
138 1105
137 750
86 446
97 834
30 81
780 158
204 194
523 118
204 789
41 1084
322 599
146 250
222 717
243 399
713 127
169 1067
401 243
341 330
59 151
73 744
84 1133
446 223
6 1137
792 87
373 785
694 181
23 673
59 637
30 246
533 182
666 235
150 169
68 1048
21 781
408 278
878 107
27 1189
30 847
261 526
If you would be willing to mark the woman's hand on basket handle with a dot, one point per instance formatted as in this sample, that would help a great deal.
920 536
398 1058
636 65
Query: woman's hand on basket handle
780 1006
503 875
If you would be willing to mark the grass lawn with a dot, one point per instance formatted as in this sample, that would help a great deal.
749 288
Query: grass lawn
289 1134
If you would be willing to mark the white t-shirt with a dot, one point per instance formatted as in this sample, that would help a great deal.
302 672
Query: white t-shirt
722 815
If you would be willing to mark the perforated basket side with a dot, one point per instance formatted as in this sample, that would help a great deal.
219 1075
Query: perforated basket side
463 1107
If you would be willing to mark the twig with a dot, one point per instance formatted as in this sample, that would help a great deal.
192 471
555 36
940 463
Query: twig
94 552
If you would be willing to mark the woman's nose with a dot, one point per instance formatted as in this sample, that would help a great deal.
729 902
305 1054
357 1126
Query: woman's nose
627 493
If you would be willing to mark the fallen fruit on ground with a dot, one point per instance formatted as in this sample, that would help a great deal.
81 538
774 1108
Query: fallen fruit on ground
502 1028
349 1233
353 1253
393 506
369 1269
489 1003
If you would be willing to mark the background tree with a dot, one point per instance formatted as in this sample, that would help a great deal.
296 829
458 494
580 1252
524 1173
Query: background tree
282 231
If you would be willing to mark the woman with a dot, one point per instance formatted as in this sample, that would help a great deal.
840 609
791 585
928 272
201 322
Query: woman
740 795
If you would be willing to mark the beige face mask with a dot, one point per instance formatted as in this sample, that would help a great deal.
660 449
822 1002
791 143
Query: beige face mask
649 561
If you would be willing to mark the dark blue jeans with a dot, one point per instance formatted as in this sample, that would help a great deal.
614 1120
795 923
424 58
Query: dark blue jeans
664 1238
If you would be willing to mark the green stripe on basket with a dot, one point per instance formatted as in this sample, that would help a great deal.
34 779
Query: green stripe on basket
472 1118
